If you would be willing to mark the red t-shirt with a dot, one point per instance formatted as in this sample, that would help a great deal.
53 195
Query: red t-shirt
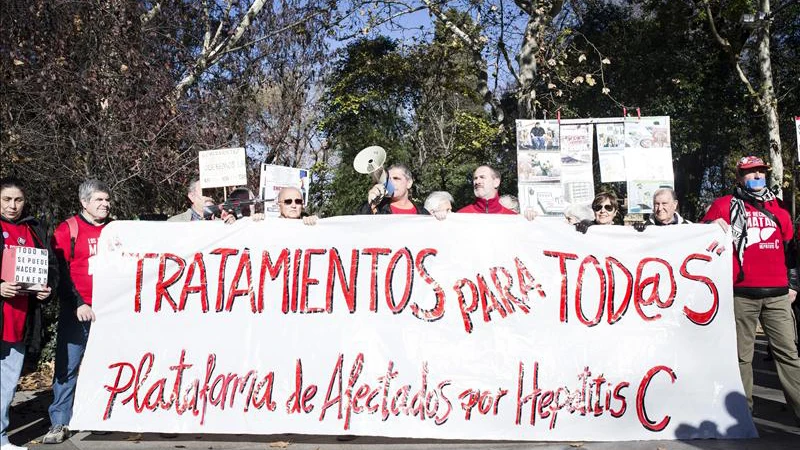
15 309
396 210
85 247
764 261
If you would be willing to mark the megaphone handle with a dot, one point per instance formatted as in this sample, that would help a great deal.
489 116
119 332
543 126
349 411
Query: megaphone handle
377 197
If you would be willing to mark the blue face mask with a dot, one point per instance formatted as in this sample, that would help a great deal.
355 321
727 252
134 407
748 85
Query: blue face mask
755 184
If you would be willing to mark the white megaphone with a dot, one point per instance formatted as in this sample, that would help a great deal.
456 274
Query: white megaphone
370 161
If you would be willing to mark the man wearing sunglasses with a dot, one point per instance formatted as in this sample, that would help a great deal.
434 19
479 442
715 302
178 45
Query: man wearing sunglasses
290 205
761 229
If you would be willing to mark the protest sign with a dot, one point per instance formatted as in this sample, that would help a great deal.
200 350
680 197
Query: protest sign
222 167
470 328
27 266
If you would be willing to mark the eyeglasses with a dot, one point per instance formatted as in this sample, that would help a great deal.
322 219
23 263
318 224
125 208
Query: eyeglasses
608 208
297 201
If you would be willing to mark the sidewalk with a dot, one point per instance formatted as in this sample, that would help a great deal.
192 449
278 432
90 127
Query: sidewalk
773 420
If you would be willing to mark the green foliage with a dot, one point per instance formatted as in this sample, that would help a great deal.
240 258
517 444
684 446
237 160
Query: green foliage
420 104
667 65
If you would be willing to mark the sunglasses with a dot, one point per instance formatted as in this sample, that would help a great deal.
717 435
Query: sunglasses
297 201
608 208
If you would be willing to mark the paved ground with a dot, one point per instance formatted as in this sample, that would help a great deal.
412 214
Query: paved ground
775 426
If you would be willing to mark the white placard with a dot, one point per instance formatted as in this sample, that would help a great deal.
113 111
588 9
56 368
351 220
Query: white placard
413 327
27 266
274 178
222 167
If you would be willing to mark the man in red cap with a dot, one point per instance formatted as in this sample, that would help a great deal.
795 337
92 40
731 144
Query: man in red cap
761 229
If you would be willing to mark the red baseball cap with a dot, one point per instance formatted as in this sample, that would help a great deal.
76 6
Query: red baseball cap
750 162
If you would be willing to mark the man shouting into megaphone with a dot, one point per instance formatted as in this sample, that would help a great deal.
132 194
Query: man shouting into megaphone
394 196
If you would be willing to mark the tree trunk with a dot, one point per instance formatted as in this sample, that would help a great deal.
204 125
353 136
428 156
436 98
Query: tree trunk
526 106
768 101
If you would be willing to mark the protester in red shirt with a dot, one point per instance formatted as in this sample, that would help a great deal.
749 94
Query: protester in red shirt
761 229
486 187
75 245
16 304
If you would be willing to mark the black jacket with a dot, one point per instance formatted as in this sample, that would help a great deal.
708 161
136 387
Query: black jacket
384 207
33 322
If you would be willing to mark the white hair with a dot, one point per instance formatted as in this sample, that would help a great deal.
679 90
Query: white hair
579 211
89 187
436 198
665 190
510 202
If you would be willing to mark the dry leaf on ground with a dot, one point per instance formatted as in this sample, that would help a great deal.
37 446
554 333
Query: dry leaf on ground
279 444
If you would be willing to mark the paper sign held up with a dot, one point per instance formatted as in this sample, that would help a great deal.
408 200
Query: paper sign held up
27 266
222 167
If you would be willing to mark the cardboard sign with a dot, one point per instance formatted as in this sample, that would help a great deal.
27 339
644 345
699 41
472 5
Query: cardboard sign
27 266
222 167
475 327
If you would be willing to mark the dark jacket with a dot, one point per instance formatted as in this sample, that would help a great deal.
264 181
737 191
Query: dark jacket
384 207
33 322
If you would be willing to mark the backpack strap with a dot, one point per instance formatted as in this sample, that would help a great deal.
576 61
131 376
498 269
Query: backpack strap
72 223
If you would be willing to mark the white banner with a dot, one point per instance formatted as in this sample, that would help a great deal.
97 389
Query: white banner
471 328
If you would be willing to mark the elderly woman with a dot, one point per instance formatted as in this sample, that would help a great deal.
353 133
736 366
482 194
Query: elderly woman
439 204
605 207
16 303
578 212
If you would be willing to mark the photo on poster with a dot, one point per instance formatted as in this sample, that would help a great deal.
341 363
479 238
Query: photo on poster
640 195
539 135
647 132
610 151
578 192
547 199
576 144
525 139
536 166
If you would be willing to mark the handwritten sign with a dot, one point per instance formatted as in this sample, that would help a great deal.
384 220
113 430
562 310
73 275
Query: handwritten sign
27 266
471 328
222 167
